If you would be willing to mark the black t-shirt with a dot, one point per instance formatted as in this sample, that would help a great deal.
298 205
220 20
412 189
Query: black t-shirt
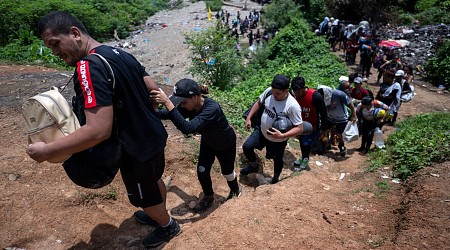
210 122
140 131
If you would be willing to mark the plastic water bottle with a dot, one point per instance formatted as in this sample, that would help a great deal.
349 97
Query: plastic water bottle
378 138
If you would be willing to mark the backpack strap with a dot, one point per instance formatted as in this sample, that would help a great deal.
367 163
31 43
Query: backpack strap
105 62
109 67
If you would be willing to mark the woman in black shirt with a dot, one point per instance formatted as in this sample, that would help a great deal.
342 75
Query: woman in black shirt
206 118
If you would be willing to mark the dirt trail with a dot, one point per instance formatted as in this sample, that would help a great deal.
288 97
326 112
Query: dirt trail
336 205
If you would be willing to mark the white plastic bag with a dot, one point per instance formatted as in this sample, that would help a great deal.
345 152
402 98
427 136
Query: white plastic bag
351 132
378 138
407 97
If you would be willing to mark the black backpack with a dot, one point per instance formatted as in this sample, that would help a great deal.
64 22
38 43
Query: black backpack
256 118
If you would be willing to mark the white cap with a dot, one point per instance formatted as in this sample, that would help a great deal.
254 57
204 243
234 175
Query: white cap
345 78
358 80
400 73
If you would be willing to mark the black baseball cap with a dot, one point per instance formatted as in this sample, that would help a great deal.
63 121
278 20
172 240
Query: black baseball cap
183 89
280 82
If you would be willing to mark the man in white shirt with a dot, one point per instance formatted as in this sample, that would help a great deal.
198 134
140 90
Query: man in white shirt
278 103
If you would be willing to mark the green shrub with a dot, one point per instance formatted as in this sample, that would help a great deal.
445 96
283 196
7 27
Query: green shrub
215 5
101 17
406 18
433 11
214 58
420 141
423 5
438 67
280 13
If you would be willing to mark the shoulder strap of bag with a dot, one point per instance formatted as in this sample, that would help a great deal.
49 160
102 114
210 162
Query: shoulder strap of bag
113 84
108 66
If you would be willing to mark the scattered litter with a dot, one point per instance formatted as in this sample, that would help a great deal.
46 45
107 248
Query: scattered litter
385 176
396 180
196 29
441 89
318 163
435 175
166 79
341 176
325 186
13 177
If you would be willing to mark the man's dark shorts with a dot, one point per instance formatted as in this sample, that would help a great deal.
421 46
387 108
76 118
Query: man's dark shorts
339 127
141 180
258 141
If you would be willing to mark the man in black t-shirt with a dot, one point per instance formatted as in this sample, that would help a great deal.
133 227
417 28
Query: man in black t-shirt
103 110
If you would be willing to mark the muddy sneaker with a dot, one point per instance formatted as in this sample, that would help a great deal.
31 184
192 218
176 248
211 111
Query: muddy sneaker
303 165
204 204
249 169
232 194
162 235
142 218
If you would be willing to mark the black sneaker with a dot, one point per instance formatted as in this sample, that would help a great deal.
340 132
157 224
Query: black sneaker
249 169
204 204
142 218
161 235
274 180
343 151
361 149
232 194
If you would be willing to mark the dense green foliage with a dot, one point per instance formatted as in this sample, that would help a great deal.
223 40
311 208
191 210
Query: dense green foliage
214 58
313 10
294 51
280 13
434 13
438 67
215 5
420 141
18 21
101 17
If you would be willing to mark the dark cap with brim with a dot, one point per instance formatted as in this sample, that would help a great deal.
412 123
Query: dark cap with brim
183 89
176 100
281 82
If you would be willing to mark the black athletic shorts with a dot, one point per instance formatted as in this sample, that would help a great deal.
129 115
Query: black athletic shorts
339 127
141 180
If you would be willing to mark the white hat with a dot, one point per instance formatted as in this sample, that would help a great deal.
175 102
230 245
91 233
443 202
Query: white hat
358 80
345 78
400 73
